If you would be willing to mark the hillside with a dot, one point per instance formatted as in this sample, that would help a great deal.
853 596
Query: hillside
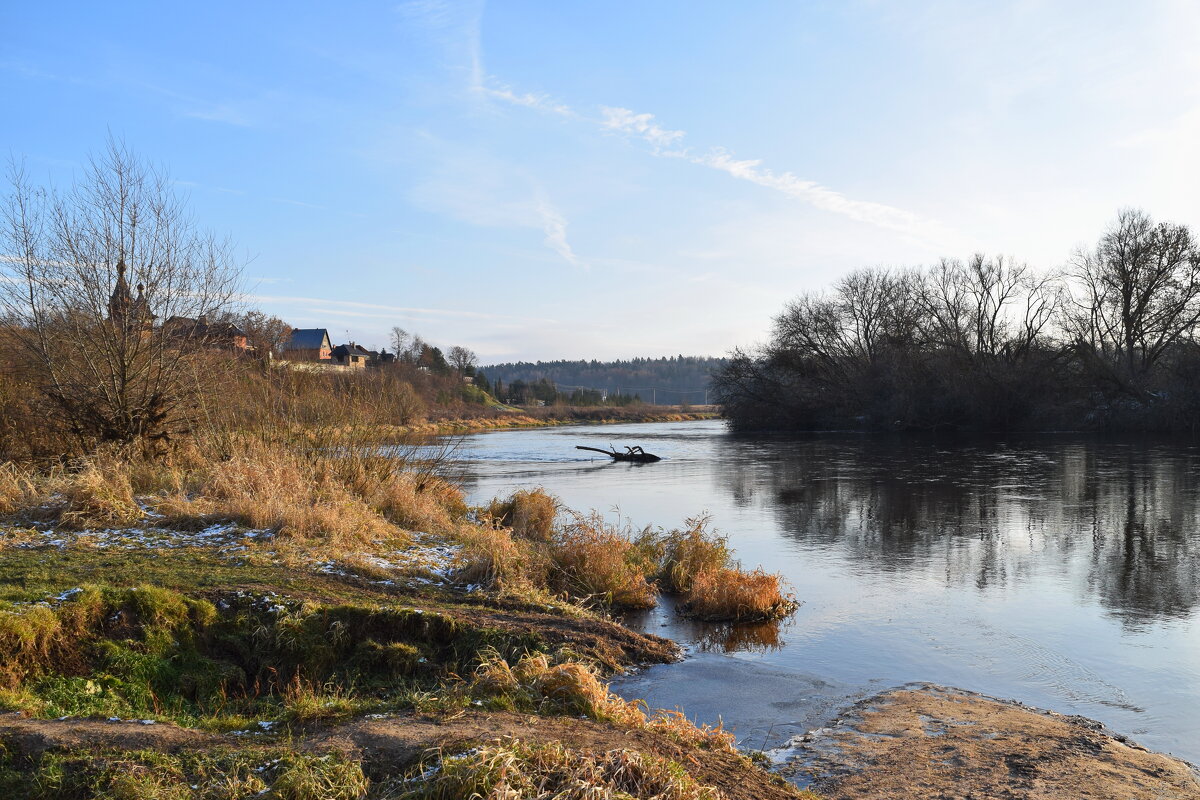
673 380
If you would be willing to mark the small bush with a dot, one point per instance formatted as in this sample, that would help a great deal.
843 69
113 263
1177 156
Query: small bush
99 496
530 514
493 558
731 594
600 561
688 553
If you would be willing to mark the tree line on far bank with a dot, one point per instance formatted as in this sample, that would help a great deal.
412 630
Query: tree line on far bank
1109 342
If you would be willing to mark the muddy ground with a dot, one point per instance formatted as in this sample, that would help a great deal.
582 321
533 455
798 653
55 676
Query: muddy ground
934 742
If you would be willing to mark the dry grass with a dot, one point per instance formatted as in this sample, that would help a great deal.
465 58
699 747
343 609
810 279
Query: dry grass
493 558
539 683
514 769
17 488
732 594
596 560
529 513
100 495
350 498
536 683
685 554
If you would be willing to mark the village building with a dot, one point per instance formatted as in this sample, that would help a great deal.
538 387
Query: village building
309 344
127 312
215 335
352 355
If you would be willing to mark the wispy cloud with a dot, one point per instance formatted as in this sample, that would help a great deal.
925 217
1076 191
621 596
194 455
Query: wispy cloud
541 102
359 309
556 233
458 26
224 113
643 125
668 143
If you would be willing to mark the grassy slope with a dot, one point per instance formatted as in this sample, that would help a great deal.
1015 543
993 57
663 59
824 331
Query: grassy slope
313 644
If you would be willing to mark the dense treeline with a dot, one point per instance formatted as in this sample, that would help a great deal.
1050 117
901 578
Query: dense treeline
1108 342
673 379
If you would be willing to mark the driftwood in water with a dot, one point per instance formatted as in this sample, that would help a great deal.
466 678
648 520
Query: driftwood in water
635 454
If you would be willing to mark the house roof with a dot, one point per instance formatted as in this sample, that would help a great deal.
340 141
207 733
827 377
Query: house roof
308 339
202 328
343 350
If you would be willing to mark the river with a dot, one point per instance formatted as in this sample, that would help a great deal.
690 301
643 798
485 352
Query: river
1062 571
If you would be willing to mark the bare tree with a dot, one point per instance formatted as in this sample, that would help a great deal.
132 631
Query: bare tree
72 260
868 311
1137 294
400 340
461 359
986 309
265 333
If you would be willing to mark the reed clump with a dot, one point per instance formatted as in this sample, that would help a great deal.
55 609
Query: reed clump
529 513
733 594
514 768
539 684
610 564
594 559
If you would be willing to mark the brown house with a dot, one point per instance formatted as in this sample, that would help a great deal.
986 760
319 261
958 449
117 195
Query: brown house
351 355
201 332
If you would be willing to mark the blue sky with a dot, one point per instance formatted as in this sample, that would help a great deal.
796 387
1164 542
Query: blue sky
597 180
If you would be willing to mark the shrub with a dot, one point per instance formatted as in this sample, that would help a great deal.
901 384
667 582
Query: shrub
99 495
596 560
688 553
530 514
732 594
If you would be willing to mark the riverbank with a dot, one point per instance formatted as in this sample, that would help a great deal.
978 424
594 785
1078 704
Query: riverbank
512 418
307 627
327 628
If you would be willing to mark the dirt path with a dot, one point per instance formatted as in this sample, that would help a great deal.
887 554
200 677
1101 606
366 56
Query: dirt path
932 742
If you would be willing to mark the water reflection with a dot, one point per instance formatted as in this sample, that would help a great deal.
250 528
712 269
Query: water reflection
1114 521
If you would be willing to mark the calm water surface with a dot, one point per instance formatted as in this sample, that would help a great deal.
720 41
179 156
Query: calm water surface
1060 571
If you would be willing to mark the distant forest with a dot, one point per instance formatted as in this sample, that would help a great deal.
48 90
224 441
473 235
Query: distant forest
1109 342
667 381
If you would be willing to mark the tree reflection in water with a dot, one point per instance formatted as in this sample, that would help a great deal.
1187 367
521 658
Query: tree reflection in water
1117 521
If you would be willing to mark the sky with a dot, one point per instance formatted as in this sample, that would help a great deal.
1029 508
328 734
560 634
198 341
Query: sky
542 180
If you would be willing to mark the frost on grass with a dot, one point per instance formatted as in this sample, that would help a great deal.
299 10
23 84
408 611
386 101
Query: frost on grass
224 538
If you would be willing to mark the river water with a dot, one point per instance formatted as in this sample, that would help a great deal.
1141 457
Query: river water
1062 571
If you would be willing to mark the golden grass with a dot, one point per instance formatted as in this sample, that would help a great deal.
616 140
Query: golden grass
493 558
17 489
100 495
685 554
530 513
515 769
732 594
540 684
595 560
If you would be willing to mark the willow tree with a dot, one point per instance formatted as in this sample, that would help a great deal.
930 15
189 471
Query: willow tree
91 271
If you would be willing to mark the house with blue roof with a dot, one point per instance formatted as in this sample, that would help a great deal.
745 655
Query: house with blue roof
308 344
